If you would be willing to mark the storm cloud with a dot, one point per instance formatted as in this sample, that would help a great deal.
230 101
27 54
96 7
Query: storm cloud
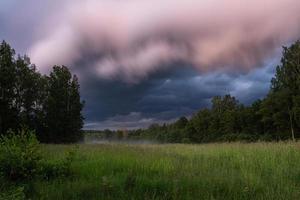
166 96
141 62
132 39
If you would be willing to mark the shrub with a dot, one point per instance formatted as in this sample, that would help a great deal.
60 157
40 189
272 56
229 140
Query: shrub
19 155
13 193
21 159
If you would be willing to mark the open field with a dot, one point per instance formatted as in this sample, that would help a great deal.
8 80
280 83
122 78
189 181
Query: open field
211 171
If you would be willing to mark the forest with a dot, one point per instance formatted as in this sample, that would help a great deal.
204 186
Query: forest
41 102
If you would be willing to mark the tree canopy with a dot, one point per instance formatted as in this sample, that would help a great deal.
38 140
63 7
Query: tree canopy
50 105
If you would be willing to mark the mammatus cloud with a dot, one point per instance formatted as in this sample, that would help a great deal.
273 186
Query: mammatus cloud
131 39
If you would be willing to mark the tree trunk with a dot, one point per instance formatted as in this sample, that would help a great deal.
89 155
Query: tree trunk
291 124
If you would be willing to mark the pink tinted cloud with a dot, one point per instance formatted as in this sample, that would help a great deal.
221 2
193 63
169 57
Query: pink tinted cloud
134 38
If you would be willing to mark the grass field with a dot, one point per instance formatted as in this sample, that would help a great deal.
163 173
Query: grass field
212 171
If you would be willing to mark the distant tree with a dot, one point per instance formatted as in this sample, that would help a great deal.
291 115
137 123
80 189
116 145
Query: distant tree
221 104
63 107
190 134
108 133
119 134
181 123
250 119
224 115
201 122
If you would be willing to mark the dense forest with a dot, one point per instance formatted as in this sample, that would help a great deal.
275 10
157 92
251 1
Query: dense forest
49 105
276 117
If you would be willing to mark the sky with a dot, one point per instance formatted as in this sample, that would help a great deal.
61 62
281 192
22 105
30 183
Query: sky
141 62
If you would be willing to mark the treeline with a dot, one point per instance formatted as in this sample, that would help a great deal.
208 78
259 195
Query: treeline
50 105
276 117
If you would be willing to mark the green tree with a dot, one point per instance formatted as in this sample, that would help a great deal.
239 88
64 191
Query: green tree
28 88
181 123
8 111
251 119
201 122
224 112
44 104
281 107
63 107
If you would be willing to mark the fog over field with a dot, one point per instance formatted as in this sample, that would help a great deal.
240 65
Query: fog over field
116 141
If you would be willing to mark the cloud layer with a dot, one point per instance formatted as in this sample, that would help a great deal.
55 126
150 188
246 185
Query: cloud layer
163 45
131 39
166 96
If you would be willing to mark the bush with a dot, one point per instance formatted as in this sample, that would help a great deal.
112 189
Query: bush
19 155
13 193
21 159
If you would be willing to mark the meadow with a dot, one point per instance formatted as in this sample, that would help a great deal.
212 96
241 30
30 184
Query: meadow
175 171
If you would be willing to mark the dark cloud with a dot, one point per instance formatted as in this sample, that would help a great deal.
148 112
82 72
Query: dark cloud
172 89
167 96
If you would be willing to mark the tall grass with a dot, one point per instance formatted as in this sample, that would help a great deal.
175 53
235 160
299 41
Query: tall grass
212 171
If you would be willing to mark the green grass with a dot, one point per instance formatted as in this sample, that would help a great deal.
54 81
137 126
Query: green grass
212 171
